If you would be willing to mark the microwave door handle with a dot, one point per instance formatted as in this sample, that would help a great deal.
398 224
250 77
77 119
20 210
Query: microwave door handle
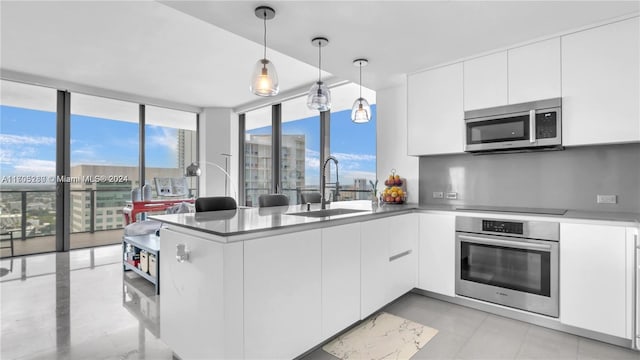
507 243
532 126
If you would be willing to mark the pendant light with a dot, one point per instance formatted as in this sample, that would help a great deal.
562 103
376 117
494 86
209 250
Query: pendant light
361 111
319 97
264 81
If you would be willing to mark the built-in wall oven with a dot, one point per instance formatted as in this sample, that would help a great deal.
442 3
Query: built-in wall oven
507 262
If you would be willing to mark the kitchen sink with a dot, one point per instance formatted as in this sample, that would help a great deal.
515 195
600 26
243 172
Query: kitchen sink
326 212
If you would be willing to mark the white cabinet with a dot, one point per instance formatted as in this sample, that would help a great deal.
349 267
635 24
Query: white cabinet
211 313
600 84
389 261
437 253
534 72
596 269
485 81
340 278
435 115
522 74
282 295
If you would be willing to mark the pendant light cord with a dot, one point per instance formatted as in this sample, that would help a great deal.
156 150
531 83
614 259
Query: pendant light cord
264 16
319 60
360 78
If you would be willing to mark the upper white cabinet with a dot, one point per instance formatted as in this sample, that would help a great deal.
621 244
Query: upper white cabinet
600 84
435 112
437 253
340 278
534 72
596 272
522 74
485 81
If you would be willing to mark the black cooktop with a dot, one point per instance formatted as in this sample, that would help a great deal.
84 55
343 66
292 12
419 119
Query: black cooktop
508 209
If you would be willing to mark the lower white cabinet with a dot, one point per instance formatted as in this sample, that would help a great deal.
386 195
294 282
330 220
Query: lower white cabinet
340 278
282 295
437 253
201 317
388 260
596 272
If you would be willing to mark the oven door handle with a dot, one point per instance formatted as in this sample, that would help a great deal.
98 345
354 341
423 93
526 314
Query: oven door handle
508 243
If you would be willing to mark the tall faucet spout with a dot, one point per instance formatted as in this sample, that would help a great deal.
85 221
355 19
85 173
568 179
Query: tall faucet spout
323 185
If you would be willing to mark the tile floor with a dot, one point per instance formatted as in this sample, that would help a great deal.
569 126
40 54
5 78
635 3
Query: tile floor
76 306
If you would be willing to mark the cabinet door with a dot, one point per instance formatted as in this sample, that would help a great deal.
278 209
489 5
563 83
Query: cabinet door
403 256
375 279
593 278
192 314
601 84
340 278
389 261
437 253
282 303
485 81
435 115
534 71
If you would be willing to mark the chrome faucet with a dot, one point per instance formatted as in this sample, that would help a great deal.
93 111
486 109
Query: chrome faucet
323 185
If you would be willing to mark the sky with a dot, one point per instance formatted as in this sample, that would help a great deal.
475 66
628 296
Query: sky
28 143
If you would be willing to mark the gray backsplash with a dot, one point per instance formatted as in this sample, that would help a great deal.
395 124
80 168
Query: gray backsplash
568 179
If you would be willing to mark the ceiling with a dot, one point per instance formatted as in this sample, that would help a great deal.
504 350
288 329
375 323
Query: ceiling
201 53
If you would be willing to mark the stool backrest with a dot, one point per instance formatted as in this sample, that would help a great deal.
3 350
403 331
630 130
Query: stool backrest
215 203
310 197
266 200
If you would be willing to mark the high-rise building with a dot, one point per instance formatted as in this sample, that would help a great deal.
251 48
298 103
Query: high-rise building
258 170
361 188
107 199
186 150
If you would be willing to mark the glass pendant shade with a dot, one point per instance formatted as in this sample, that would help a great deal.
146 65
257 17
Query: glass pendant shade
361 111
265 79
319 97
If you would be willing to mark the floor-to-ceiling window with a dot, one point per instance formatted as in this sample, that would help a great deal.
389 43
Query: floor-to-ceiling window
257 155
300 149
104 167
60 148
354 145
170 146
27 168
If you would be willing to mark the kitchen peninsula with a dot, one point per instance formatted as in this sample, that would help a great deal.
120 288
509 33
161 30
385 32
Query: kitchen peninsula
275 282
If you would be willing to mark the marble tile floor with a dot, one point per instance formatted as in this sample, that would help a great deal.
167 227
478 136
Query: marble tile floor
77 305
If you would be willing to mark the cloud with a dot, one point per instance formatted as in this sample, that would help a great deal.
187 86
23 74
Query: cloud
9 139
35 167
164 137
354 157
312 159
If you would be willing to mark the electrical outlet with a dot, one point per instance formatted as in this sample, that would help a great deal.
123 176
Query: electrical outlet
607 199
452 195
438 195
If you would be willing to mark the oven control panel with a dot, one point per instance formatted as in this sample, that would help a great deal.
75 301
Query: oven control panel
507 227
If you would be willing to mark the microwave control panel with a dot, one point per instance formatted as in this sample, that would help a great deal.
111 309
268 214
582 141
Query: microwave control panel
507 227
546 127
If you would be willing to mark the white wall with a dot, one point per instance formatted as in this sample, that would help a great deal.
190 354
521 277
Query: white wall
218 135
392 140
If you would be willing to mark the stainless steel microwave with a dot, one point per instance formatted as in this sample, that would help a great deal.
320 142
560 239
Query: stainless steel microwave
527 126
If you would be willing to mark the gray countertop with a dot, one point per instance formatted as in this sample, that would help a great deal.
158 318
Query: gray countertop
247 221
617 218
